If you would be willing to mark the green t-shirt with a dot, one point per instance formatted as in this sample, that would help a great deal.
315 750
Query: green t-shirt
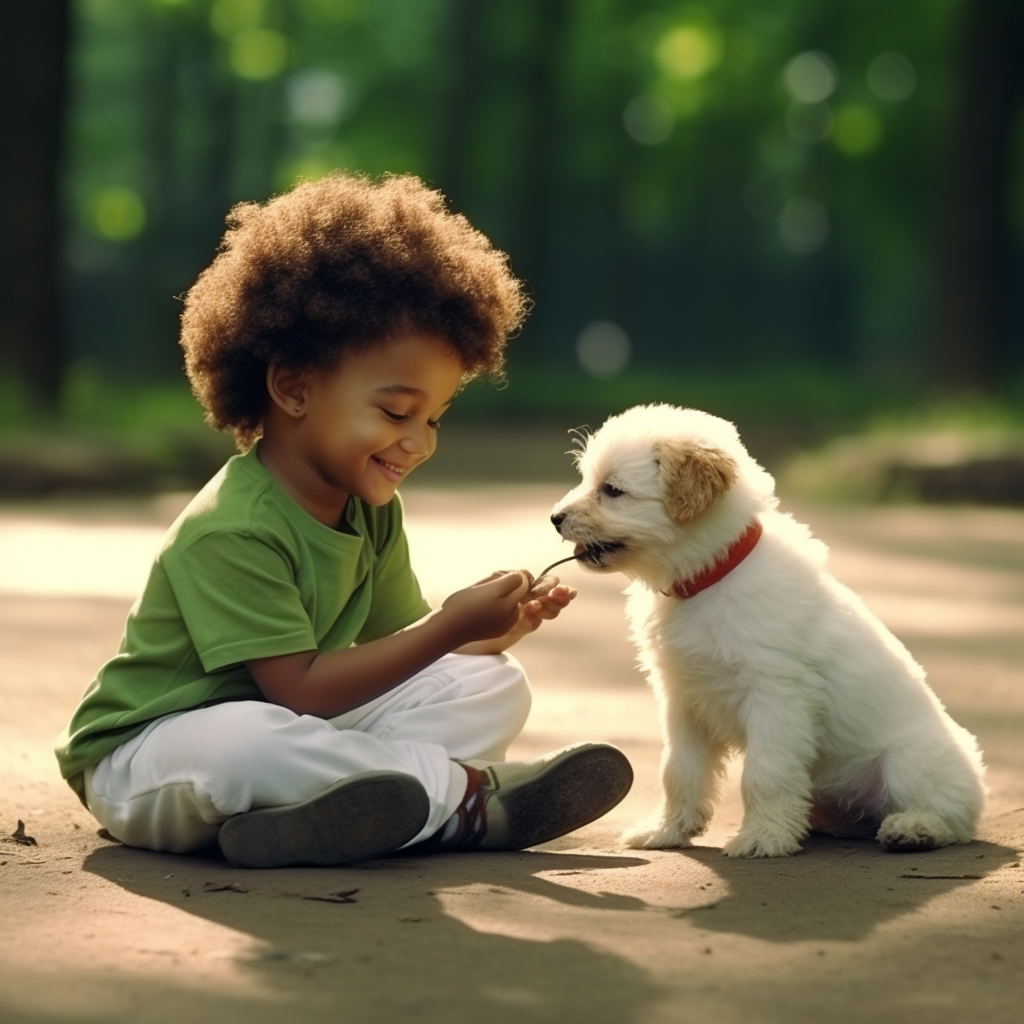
243 573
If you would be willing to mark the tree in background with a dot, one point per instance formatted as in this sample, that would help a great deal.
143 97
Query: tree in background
974 333
686 186
34 47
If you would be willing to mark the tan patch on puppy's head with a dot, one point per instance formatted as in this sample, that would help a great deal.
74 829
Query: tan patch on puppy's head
692 477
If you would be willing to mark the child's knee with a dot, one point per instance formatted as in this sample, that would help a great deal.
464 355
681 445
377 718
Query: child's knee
499 676
517 686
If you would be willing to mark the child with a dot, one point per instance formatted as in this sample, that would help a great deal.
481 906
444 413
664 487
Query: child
282 687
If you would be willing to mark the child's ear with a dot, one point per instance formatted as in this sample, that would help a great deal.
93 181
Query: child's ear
287 388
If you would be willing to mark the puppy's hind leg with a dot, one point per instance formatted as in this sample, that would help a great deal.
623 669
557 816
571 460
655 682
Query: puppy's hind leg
691 770
934 793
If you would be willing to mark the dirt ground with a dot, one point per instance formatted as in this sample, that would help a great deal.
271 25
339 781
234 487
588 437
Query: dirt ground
581 929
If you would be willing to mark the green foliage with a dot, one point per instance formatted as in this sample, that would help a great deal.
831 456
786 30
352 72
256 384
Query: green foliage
725 182
847 436
792 393
160 425
886 459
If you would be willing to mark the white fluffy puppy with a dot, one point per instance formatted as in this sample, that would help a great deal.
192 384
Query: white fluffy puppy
751 645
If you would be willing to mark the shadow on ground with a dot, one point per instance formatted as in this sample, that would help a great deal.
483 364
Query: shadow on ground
387 946
792 901
507 937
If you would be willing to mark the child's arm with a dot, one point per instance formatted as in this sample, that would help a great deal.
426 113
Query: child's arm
333 682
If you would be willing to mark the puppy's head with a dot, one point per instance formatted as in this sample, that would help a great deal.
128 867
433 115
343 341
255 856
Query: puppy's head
652 478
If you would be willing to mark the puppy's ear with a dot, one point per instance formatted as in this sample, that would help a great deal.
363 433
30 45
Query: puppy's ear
692 478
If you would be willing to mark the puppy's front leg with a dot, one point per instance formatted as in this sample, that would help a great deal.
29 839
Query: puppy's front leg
776 782
691 769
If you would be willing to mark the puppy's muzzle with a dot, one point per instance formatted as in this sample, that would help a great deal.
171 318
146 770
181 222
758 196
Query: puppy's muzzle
556 521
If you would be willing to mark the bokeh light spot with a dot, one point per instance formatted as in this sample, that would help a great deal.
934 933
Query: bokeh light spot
857 130
891 76
803 226
811 77
258 54
603 348
648 120
317 97
689 51
117 214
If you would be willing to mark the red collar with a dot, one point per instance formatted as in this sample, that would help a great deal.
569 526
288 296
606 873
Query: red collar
725 565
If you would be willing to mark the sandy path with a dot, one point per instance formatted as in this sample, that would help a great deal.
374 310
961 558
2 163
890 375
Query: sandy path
580 930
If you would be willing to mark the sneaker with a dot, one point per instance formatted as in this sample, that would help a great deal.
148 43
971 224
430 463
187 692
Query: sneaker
362 816
510 805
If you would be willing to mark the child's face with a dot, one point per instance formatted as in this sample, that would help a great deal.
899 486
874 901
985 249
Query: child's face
373 419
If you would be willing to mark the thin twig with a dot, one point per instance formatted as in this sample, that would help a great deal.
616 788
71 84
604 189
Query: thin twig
955 878
570 558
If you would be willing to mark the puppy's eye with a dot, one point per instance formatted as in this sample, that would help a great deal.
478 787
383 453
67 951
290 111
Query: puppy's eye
611 491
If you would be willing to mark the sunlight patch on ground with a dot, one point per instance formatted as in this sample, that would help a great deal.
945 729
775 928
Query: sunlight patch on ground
84 560
64 559
458 538
908 614
617 715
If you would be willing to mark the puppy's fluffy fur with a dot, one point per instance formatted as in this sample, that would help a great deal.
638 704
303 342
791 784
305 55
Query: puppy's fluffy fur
839 730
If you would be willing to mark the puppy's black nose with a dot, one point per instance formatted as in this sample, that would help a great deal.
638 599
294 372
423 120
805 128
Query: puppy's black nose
557 519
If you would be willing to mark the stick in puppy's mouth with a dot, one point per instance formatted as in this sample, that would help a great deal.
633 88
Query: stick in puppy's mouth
568 558
591 551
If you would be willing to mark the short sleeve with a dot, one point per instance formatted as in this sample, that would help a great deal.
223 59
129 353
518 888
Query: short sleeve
397 599
238 598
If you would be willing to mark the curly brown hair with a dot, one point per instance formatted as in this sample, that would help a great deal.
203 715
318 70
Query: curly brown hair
333 266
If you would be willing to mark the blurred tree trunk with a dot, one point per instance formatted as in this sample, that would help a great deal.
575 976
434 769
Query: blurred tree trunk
972 343
34 47
539 177
464 55
192 151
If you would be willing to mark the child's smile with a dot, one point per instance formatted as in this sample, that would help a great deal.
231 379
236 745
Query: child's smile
393 473
361 428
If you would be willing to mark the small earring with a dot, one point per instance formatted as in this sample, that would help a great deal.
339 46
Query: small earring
298 408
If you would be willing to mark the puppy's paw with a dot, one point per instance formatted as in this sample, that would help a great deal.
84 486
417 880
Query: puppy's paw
656 835
762 843
914 832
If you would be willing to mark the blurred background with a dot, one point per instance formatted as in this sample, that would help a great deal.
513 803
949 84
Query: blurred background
806 217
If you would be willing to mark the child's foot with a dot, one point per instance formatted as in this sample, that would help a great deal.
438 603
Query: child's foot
362 816
514 804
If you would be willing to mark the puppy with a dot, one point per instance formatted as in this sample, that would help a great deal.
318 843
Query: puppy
752 646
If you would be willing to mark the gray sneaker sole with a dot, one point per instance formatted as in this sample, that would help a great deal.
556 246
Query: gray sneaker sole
578 786
363 816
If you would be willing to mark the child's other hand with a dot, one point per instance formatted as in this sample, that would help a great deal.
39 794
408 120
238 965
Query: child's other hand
545 600
490 608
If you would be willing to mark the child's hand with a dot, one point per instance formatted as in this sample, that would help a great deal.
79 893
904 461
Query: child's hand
490 608
545 600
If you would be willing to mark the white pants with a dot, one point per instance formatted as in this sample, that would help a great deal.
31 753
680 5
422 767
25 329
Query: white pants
171 787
